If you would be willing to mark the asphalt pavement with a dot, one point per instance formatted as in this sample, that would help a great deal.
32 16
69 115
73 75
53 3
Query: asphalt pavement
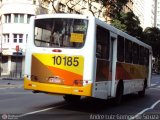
147 108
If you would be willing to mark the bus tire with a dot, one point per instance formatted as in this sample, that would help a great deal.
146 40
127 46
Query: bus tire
71 98
119 93
142 93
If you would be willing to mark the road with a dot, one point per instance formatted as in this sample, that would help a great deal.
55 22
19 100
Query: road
16 103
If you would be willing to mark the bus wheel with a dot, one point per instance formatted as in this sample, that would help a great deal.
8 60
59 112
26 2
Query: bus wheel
119 93
71 98
142 93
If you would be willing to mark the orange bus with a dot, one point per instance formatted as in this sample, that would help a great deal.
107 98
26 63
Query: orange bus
78 55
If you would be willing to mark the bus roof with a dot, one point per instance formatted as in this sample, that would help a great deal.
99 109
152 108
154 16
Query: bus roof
62 15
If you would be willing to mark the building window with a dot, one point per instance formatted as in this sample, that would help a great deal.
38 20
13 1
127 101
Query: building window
15 38
18 18
34 2
6 38
26 37
21 20
18 38
7 18
28 18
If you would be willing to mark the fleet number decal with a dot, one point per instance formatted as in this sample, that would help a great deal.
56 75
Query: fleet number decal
66 60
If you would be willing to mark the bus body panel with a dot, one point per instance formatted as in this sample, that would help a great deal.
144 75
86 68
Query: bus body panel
69 68
58 68
126 71
57 89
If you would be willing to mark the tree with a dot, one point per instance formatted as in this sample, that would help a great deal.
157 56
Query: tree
115 7
128 23
119 23
72 4
152 37
133 25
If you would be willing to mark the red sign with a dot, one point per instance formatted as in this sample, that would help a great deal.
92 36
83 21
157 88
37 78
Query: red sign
17 48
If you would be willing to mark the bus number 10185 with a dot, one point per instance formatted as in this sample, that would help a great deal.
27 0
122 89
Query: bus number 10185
66 60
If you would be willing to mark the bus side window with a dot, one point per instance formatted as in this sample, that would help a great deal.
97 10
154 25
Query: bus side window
135 53
141 56
120 49
146 57
102 43
128 51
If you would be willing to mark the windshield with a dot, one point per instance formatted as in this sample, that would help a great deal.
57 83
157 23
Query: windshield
60 32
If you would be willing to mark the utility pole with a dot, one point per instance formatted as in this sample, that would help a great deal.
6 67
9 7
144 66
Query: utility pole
17 50
1 62
1 55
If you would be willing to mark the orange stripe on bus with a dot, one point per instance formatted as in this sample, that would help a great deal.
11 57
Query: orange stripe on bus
67 76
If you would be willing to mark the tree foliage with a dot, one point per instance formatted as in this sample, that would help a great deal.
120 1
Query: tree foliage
126 22
73 3
152 37
133 25
115 7
129 23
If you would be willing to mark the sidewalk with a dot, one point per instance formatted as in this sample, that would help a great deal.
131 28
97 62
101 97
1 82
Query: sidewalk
11 78
8 82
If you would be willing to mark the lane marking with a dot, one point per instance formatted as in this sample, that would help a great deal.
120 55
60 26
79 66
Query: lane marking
43 110
11 86
140 113
153 85
23 93
155 88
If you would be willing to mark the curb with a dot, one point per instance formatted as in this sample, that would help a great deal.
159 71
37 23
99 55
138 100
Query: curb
7 78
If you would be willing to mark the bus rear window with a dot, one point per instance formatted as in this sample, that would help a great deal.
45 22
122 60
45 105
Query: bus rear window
60 32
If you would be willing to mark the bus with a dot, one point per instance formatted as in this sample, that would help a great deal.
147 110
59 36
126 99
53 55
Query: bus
78 55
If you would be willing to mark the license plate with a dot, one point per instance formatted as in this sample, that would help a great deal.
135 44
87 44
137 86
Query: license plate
55 80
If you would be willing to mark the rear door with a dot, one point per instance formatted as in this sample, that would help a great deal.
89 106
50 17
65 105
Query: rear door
112 63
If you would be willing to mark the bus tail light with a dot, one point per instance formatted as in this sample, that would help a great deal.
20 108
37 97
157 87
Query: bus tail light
34 78
80 90
78 83
56 50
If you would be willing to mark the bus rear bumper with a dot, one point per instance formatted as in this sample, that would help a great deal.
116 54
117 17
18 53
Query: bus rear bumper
58 89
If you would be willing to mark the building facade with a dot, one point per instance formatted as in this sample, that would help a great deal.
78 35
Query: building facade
145 11
138 10
157 12
149 13
14 27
